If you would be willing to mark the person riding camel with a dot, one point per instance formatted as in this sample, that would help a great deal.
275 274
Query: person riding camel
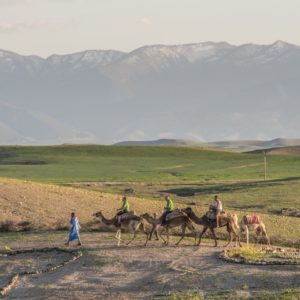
168 209
217 208
124 209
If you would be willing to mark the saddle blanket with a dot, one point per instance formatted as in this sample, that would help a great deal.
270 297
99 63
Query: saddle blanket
253 219
210 215
174 214
127 215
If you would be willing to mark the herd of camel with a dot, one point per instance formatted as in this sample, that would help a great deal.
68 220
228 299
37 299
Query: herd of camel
185 220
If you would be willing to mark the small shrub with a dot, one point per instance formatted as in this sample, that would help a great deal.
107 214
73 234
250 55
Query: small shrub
60 225
250 253
7 226
25 226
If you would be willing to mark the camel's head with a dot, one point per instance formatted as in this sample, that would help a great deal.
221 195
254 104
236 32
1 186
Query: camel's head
146 215
97 214
187 210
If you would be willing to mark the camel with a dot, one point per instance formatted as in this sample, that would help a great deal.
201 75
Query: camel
254 223
231 223
133 223
182 221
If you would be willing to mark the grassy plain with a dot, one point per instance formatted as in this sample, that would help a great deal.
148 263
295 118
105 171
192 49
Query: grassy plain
68 163
191 175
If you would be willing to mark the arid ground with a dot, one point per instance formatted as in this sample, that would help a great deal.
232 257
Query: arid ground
106 271
136 272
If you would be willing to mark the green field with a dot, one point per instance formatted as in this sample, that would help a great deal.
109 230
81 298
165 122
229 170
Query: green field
61 164
191 175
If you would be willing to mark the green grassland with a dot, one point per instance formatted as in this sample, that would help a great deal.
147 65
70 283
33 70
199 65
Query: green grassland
191 175
68 163
267 197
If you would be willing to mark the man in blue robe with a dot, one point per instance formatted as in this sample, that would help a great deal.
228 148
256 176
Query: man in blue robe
74 232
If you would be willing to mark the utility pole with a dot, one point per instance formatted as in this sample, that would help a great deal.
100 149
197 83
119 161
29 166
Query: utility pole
265 161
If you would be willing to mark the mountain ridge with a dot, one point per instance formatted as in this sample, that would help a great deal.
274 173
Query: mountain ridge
237 145
199 91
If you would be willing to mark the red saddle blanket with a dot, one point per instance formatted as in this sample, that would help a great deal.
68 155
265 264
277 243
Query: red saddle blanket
253 219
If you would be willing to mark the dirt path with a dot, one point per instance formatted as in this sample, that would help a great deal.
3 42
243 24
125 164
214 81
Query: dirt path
136 272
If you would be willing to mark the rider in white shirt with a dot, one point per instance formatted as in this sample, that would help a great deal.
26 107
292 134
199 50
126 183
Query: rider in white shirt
217 208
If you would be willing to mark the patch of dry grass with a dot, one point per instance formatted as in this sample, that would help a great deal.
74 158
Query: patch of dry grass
43 206
26 205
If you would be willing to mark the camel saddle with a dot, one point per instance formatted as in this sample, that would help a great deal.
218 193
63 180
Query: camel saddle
175 214
253 219
211 215
127 215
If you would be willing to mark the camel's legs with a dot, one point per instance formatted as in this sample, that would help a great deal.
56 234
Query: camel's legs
193 230
247 235
118 236
182 233
134 229
135 232
168 237
237 239
268 239
154 229
160 235
143 229
229 239
231 230
165 241
134 236
201 234
214 235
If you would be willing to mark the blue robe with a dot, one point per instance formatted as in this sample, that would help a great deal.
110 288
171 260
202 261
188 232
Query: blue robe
74 233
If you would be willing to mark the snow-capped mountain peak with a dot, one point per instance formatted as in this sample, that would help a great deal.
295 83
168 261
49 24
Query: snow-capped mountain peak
88 58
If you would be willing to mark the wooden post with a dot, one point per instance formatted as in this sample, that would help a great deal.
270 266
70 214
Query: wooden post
265 160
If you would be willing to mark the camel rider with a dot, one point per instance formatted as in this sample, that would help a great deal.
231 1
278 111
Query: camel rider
217 208
124 209
168 209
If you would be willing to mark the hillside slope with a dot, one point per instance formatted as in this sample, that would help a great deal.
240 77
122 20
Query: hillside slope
49 206
292 150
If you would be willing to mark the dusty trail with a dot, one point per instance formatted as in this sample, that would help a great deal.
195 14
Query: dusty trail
135 272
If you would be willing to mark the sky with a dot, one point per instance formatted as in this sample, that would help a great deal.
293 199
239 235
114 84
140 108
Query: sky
45 27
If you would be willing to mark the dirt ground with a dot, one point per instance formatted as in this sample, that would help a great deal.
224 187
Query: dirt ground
135 272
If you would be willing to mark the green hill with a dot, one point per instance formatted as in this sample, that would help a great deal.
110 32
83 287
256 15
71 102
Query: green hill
292 150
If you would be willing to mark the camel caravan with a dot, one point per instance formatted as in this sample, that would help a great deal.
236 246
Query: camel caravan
185 219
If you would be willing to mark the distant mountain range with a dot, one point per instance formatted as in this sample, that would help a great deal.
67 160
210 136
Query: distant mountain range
160 142
201 92
241 146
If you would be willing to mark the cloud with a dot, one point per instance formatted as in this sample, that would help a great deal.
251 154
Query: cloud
262 136
165 135
145 21
196 137
137 135
9 27
237 116
28 2
233 137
